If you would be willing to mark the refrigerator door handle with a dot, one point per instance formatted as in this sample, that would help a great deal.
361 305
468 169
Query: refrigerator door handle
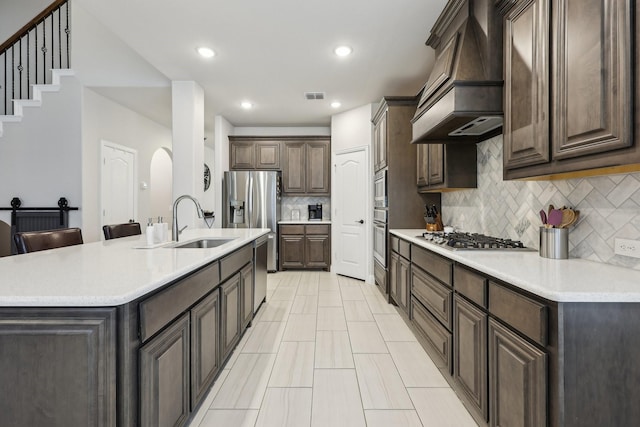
250 212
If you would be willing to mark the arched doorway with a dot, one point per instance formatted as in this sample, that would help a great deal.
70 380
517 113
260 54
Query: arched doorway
161 184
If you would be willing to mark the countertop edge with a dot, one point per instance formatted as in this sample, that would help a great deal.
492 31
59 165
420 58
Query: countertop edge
623 284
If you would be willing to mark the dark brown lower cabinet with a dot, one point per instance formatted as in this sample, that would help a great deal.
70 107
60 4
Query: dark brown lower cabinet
205 354
304 246
470 353
518 387
164 377
230 299
246 303
58 367
437 338
400 281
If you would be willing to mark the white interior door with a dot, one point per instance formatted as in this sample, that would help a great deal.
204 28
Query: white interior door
350 213
118 184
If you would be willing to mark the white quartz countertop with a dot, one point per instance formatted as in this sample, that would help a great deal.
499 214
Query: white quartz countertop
108 273
568 280
305 221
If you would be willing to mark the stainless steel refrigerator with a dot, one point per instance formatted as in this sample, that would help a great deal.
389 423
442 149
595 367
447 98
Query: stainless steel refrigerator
251 199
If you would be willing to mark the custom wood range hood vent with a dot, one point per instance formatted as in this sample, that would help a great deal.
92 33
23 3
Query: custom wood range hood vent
462 99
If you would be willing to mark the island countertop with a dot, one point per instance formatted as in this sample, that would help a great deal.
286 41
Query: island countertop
108 273
568 280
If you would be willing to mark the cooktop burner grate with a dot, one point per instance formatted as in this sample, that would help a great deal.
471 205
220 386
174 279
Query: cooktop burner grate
460 240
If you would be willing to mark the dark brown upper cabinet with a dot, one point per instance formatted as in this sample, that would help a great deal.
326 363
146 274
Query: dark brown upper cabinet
568 109
305 167
253 153
446 166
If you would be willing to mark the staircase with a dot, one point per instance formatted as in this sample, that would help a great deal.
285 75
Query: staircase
36 98
33 60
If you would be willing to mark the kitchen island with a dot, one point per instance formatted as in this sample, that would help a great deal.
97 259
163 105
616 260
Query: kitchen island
119 333
524 340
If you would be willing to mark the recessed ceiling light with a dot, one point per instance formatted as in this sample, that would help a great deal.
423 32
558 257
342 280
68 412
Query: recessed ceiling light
205 52
335 104
343 51
246 105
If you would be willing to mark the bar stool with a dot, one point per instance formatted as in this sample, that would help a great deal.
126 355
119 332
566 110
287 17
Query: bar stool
33 241
121 230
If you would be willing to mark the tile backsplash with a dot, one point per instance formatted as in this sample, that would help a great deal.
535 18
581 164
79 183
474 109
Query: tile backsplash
288 204
609 208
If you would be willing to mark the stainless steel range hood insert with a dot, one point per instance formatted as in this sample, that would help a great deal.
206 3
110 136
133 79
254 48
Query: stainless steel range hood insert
462 99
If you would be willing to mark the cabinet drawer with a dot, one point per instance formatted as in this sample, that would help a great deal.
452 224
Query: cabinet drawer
471 285
230 264
159 310
404 249
438 338
380 275
522 313
437 266
317 229
435 296
292 229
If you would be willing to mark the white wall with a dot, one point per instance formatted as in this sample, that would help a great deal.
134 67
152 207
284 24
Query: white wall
100 58
40 157
353 129
281 131
221 147
161 184
15 14
208 202
104 119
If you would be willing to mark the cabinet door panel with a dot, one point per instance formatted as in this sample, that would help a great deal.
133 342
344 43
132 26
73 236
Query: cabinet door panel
422 167
318 171
164 377
470 352
246 308
394 266
291 251
242 155
317 251
436 164
69 356
526 102
404 284
267 155
205 346
518 378
592 91
230 315
380 142
293 171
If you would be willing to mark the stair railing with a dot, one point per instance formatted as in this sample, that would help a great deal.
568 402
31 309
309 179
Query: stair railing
27 57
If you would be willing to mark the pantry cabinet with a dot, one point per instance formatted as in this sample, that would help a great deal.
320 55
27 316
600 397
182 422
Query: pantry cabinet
570 108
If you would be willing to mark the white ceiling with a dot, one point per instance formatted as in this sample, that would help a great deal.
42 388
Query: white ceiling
272 51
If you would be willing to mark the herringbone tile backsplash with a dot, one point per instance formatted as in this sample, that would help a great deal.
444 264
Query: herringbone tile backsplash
609 208
288 204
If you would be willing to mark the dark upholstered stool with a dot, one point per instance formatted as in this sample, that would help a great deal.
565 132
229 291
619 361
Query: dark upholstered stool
121 230
33 241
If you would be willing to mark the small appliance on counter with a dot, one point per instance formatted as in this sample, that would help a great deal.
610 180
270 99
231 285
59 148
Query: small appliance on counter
315 212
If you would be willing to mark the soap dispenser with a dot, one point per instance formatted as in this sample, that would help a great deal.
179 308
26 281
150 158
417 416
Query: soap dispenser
150 232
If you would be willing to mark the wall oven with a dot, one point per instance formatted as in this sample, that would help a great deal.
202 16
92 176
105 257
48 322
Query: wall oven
380 189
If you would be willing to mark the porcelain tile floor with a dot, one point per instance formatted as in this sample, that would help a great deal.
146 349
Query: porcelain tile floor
328 351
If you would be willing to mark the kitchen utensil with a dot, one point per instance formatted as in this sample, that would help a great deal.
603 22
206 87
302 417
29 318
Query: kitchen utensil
543 216
555 218
567 217
551 207
576 215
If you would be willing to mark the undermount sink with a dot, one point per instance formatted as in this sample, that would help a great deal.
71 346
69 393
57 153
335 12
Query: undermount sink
203 243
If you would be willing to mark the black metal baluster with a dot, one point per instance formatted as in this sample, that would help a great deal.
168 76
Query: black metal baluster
60 36
29 66
13 76
44 53
67 30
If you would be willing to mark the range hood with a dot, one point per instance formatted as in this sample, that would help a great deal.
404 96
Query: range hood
462 99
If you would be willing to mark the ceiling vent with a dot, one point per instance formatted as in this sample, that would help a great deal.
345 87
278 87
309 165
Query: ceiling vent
314 95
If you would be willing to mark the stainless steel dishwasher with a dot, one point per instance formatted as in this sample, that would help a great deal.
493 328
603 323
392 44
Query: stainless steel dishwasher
260 292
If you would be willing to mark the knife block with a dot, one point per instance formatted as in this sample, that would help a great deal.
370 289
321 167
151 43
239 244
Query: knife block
435 226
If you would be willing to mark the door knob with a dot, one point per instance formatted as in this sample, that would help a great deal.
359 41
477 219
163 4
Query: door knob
361 221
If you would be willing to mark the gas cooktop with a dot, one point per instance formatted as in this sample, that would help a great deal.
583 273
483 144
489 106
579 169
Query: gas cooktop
459 240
